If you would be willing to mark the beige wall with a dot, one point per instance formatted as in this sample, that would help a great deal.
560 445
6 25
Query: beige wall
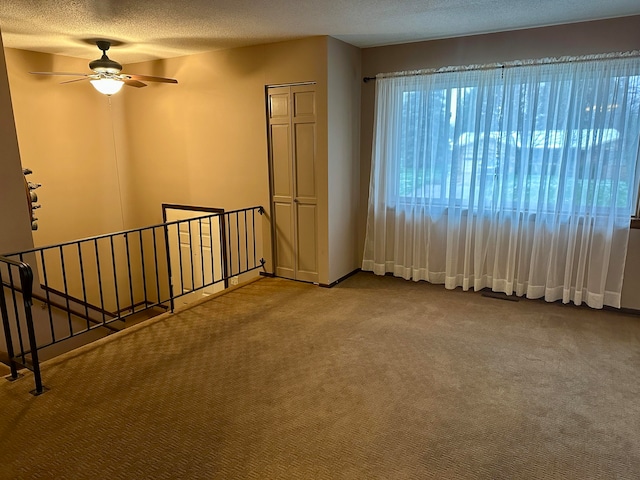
66 136
344 161
604 36
203 141
15 218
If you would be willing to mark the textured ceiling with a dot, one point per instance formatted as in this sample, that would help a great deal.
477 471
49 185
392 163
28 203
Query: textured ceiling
170 28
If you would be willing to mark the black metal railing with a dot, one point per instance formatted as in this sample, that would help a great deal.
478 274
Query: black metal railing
17 320
95 284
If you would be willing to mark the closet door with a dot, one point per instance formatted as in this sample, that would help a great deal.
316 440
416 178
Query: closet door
292 159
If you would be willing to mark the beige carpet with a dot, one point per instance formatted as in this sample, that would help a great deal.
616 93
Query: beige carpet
377 378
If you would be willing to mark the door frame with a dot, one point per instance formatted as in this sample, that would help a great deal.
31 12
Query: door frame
223 240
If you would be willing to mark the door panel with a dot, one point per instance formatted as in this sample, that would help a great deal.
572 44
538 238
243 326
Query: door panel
279 104
281 160
305 102
305 152
195 252
208 267
183 275
284 240
307 237
304 160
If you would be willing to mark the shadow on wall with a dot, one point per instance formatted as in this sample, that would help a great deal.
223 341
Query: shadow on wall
226 48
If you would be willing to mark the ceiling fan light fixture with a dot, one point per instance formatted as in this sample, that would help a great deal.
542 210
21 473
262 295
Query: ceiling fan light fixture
107 86
106 77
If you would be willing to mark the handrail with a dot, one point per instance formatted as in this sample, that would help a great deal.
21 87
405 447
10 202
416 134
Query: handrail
26 284
82 281
122 232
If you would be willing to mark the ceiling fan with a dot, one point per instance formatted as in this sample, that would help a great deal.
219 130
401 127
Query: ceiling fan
106 76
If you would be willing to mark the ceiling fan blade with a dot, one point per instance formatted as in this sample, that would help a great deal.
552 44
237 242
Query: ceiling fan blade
134 83
149 78
76 80
60 73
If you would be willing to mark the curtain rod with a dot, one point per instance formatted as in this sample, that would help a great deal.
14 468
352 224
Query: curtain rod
432 71
412 73
511 64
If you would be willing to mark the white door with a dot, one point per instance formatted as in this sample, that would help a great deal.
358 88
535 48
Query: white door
292 159
195 251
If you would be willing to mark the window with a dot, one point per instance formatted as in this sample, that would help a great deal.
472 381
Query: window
519 141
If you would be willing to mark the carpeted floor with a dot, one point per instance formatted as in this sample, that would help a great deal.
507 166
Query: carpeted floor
377 378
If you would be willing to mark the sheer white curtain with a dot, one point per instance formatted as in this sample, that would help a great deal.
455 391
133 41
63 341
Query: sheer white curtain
520 179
